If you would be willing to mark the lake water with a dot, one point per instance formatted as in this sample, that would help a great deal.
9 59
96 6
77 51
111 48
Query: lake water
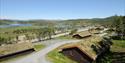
14 25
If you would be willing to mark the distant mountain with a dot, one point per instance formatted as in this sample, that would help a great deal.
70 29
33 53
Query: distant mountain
104 21
5 22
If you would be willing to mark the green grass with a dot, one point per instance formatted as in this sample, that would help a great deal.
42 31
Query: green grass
65 37
118 45
57 57
38 47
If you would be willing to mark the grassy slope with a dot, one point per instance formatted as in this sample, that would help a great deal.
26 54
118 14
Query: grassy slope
118 45
57 57
5 22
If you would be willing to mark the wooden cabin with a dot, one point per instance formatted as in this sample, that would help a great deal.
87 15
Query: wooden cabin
95 31
76 54
85 51
81 35
12 49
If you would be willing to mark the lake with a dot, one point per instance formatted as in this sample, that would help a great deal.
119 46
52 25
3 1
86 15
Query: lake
14 25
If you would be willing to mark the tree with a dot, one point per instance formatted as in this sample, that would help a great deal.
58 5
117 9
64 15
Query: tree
119 25
2 40
73 31
5 39
49 31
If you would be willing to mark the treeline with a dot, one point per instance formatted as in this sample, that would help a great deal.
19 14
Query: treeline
11 36
47 28
6 22
119 24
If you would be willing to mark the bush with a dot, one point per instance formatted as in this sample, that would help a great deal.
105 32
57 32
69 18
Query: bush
118 38
73 31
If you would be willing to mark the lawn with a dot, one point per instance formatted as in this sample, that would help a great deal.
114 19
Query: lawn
38 47
65 37
118 45
57 57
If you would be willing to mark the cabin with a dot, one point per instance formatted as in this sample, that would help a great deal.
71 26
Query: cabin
80 35
76 54
99 28
95 31
12 49
87 50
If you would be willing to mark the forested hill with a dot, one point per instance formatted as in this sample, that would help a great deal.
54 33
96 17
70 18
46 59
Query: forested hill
5 22
103 21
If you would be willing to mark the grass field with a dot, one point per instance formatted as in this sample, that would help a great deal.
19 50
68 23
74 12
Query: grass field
38 47
118 45
57 57
65 37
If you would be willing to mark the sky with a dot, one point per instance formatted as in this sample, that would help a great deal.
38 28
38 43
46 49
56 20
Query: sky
60 9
